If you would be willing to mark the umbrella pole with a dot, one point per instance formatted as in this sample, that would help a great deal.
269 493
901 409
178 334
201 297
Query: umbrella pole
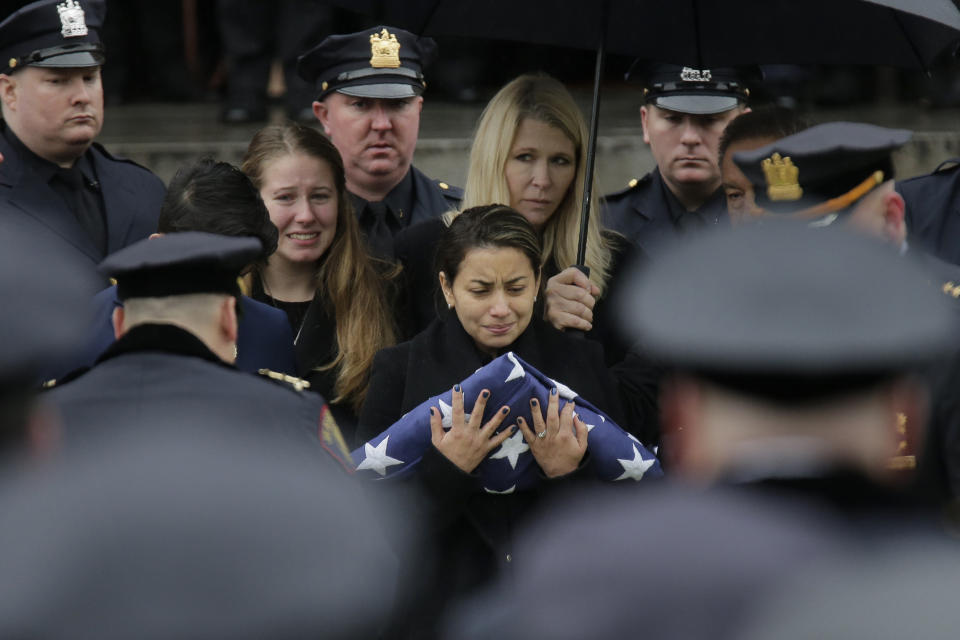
591 152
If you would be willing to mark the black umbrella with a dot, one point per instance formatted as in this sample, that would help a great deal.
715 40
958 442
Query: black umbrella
699 33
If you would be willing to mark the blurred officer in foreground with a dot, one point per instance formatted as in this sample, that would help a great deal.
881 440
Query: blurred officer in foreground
51 295
55 180
176 344
841 173
213 197
904 589
193 530
369 101
684 113
790 350
812 335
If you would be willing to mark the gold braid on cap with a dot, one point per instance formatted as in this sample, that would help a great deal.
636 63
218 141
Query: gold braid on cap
834 204
841 202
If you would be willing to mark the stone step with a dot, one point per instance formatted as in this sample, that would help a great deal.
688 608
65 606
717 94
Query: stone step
164 137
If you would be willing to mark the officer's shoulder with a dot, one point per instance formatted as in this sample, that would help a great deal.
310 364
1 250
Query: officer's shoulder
55 383
449 191
293 383
101 150
947 168
633 185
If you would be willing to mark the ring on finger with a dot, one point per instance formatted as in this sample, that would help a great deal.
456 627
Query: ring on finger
542 434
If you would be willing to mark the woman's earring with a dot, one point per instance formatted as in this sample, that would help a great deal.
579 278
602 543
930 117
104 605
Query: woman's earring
449 306
534 298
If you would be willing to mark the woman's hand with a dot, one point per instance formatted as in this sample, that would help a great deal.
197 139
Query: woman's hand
466 444
559 444
570 300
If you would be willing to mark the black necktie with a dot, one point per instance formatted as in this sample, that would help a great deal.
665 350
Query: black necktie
380 232
85 204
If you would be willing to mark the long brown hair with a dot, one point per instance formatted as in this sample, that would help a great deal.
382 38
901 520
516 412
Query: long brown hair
347 274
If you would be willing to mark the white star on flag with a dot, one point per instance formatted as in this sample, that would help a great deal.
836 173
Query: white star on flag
501 493
517 371
565 392
447 412
634 468
511 449
377 458
590 427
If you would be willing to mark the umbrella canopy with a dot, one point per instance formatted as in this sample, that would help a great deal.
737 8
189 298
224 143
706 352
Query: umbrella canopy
701 33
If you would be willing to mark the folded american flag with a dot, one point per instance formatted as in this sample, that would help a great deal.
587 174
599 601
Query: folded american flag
615 454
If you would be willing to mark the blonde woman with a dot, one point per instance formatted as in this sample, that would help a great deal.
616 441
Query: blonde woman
529 151
321 274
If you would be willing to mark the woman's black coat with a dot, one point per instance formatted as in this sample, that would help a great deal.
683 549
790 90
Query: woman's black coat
467 536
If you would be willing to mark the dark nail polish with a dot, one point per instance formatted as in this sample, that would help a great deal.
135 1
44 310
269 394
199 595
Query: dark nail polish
485 394
533 402
519 420
514 430
432 411
505 410
553 391
456 388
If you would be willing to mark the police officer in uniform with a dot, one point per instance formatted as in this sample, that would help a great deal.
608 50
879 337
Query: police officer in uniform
933 210
173 359
51 296
684 113
369 101
841 173
55 180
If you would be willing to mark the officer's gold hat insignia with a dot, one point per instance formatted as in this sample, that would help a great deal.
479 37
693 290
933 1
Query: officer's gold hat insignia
323 87
783 178
384 50
12 63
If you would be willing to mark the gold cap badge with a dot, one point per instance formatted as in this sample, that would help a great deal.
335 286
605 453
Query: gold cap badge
782 178
384 50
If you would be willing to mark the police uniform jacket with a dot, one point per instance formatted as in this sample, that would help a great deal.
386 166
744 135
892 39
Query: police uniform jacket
163 372
416 199
648 213
264 339
933 211
470 536
131 194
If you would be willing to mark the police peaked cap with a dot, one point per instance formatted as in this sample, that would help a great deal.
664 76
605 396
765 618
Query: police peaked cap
783 310
55 34
380 62
180 264
822 170
697 91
